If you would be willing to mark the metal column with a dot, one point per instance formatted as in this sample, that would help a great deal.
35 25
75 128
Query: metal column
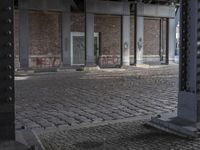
23 36
126 38
186 120
89 33
172 39
140 39
89 36
7 96
126 27
161 40
135 34
167 42
66 44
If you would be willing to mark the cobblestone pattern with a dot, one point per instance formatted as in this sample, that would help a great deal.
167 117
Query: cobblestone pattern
73 98
120 136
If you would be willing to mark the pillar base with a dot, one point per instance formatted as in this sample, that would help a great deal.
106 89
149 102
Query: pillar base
12 145
91 68
126 64
139 62
172 124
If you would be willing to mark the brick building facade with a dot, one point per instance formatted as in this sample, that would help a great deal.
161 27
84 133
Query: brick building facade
45 38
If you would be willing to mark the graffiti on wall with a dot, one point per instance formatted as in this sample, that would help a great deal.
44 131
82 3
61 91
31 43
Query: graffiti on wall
45 62
109 60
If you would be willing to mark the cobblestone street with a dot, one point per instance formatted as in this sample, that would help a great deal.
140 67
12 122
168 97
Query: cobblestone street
133 135
70 98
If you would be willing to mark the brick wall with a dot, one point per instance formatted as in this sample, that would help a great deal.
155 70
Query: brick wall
151 36
109 28
77 22
45 36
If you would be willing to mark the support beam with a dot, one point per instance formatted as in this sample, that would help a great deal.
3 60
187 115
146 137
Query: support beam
66 44
107 7
187 119
23 38
172 39
140 39
46 5
126 40
89 39
167 42
7 97
161 40
149 10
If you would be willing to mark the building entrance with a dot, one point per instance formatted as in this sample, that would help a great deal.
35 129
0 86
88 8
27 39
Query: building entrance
78 47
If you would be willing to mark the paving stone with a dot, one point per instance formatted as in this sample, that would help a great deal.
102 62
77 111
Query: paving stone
72 98
132 135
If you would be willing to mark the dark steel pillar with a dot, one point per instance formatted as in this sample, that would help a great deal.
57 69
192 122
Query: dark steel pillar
7 97
186 120
135 35
167 42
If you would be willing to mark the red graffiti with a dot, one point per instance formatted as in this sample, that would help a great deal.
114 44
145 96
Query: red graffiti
110 60
47 61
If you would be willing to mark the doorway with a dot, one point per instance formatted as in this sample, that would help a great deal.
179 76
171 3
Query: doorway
78 48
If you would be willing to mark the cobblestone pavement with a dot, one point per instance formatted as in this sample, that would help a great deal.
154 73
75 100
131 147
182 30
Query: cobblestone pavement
119 136
72 98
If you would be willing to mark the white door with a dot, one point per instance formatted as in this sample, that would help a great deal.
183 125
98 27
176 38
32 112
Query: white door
78 47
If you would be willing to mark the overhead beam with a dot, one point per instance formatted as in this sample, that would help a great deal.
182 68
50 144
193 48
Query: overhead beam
108 7
149 10
46 5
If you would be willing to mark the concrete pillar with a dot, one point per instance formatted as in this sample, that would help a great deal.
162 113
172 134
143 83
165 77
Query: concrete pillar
89 39
66 35
140 39
126 40
23 38
172 39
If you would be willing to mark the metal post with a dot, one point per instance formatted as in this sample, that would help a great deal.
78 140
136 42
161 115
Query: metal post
135 35
167 41
126 40
161 39
89 37
23 36
140 39
89 32
186 121
7 96
126 37
172 39
66 44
